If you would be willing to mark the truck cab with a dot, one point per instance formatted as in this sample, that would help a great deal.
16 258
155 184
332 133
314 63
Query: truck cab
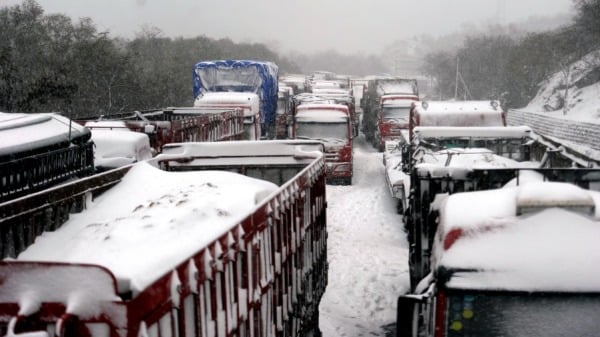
330 123
116 148
455 113
373 98
392 118
249 103
517 261
247 78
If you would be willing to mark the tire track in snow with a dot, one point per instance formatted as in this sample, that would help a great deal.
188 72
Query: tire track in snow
367 252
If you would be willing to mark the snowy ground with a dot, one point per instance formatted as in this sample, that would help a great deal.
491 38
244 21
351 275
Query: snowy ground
367 252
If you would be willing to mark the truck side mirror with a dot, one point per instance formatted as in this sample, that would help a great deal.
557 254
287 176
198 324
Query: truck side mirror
406 313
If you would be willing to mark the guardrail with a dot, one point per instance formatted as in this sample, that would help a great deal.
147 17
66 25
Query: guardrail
582 139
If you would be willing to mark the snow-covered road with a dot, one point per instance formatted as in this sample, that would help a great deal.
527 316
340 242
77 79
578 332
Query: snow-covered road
367 252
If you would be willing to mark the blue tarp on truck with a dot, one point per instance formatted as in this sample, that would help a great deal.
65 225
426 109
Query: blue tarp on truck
258 77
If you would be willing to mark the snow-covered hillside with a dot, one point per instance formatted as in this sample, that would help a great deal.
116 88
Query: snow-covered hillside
582 94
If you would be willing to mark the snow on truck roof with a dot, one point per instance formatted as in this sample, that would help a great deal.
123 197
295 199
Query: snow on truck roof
227 97
115 148
424 132
459 113
325 113
262 152
20 132
457 106
396 86
538 236
457 162
398 100
151 221
323 107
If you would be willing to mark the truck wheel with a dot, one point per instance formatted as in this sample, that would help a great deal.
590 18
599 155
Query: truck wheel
348 181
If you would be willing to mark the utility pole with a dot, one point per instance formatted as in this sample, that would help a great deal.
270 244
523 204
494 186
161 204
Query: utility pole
456 79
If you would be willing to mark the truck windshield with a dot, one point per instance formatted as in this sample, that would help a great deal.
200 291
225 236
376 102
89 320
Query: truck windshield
314 130
522 314
396 112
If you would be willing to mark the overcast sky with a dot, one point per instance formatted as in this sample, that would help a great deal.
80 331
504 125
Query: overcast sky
305 25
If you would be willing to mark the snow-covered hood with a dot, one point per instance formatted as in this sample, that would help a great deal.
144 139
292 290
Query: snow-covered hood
489 245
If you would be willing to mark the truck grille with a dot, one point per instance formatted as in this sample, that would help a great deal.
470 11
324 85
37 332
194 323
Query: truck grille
331 156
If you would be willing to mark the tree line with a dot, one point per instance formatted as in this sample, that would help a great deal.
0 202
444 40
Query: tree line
508 68
50 63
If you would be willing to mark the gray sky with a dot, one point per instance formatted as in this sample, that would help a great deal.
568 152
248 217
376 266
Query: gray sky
305 25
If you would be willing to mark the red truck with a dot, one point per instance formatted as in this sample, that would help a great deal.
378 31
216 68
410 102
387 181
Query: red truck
338 96
374 113
206 239
393 117
331 124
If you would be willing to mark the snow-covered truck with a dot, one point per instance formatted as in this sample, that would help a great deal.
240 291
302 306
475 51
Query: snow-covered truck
456 113
337 96
454 147
39 150
447 160
516 261
247 84
384 108
330 123
174 125
449 124
116 148
206 239
297 81
451 143
393 118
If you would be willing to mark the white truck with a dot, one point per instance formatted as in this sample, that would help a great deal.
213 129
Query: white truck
249 103
447 147
249 82
116 148
515 261
330 123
